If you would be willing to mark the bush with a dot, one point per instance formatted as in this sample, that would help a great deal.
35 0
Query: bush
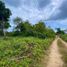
22 52
64 37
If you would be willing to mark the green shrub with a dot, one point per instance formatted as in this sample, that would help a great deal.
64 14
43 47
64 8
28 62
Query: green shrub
22 52
64 37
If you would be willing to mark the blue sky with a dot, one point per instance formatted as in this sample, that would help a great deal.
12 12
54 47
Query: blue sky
52 12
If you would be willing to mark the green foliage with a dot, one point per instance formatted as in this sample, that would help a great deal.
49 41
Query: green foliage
64 37
40 27
59 31
19 24
4 12
7 25
49 33
4 17
28 26
22 52
17 20
38 30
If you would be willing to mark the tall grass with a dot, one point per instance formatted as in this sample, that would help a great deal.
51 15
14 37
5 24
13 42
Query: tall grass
22 51
63 51
64 37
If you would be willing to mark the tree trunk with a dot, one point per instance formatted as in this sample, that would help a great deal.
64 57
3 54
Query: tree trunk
3 31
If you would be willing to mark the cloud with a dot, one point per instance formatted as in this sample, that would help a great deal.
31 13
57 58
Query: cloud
14 3
63 8
62 11
35 10
43 3
44 9
57 24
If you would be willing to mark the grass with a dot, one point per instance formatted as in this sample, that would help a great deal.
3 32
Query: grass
63 51
22 51
64 37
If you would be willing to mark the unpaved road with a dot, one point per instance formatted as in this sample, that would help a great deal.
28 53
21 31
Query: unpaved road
54 56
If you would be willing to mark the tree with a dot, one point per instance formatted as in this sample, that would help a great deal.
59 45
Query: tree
23 27
28 26
40 27
4 17
18 22
59 31
49 33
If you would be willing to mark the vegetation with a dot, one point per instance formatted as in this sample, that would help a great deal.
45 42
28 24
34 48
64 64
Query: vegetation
60 32
39 30
22 52
4 17
63 51
64 37
26 44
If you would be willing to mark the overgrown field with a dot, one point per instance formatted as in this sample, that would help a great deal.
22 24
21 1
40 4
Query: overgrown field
63 51
22 51
64 37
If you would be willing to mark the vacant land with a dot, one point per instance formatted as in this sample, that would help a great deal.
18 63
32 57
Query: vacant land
29 52
22 51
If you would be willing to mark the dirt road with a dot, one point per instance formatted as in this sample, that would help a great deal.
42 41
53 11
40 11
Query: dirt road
54 56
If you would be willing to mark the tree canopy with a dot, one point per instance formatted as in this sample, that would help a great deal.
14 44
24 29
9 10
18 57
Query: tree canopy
5 14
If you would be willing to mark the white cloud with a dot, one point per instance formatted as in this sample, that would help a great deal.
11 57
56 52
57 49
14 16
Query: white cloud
29 10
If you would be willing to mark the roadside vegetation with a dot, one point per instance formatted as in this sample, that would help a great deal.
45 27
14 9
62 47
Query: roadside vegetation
22 52
62 34
64 37
63 51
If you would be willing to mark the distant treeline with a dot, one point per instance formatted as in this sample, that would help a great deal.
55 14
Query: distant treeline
25 28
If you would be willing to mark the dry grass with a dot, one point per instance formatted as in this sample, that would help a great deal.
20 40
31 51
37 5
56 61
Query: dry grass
63 51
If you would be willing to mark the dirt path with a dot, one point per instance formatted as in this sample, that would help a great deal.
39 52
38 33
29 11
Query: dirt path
54 56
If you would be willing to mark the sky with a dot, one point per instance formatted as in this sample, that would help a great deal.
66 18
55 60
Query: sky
52 12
